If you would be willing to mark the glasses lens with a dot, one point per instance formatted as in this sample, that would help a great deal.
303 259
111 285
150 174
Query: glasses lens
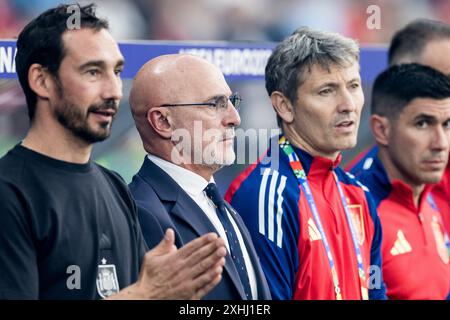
222 103
235 99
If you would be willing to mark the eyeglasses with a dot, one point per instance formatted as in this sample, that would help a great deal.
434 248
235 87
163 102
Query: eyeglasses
218 103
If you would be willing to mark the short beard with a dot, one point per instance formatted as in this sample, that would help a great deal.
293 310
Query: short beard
71 117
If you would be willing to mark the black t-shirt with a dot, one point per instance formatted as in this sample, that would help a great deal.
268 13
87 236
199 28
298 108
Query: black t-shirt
67 231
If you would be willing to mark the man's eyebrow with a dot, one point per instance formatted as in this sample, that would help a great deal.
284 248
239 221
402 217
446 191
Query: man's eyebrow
216 96
335 84
424 116
93 63
329 84
354 80
120 63
100 64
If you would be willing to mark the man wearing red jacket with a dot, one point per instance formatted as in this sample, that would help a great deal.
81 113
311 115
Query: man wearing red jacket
426 42
315 228
410 122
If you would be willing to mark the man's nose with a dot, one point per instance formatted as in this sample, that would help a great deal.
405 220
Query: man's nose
441 139
112 88
346 102
231 118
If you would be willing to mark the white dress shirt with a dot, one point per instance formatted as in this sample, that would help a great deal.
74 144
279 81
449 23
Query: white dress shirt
193 184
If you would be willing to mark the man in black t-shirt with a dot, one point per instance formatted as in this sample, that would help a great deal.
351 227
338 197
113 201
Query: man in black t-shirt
68 227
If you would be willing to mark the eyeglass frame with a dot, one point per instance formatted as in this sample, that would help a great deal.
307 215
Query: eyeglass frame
233 97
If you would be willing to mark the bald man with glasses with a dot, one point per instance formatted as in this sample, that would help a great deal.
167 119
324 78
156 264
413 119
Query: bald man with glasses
185 114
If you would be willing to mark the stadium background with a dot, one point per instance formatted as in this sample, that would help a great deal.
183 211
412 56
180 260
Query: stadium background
251 25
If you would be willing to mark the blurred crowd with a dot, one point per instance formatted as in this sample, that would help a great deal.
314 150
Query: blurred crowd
254 20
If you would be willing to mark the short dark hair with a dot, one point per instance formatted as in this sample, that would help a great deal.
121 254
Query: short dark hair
41 42
290 61
408 43
397 86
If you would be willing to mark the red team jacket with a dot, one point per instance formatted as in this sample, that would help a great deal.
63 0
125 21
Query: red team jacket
415 254
441 194
289 244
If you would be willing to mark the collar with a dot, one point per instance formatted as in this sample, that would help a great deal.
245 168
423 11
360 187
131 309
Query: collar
403 194
43 159
373 164
189 181
397 190
316 166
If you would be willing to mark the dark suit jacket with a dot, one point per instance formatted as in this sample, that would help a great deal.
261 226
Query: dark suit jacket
163 204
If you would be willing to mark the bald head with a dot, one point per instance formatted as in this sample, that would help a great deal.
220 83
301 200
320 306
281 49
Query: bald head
173 78
180 79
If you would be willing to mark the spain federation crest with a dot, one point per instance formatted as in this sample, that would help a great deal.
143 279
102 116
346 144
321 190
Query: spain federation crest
440 239
356 213
107 283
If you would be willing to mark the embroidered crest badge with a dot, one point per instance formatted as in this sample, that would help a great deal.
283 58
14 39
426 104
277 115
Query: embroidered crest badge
107 283
356 213
439 237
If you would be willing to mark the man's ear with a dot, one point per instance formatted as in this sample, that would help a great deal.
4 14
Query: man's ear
39 80
282 106
381 127
157 118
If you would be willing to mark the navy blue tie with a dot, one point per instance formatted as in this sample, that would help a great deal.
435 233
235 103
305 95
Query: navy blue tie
235 249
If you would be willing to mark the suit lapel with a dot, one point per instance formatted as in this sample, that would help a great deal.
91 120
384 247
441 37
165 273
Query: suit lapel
201 224
185 209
